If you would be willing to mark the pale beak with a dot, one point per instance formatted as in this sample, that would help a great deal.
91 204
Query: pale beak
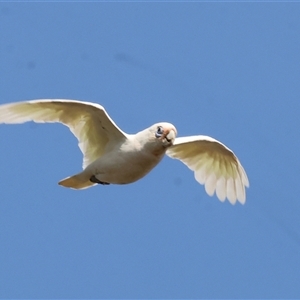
170 137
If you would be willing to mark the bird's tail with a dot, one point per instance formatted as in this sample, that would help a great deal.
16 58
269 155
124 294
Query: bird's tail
77 182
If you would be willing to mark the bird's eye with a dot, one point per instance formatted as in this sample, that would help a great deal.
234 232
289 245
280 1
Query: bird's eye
159 132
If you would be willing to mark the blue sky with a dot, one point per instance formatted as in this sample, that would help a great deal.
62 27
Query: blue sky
227 70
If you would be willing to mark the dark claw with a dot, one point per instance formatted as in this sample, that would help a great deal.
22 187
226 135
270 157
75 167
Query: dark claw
93 179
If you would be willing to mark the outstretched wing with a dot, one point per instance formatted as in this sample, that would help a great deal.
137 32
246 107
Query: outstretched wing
89 122
215 166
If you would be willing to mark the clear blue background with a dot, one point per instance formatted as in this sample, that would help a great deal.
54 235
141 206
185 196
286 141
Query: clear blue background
228 70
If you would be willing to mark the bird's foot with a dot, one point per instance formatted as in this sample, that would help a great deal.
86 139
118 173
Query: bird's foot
95 180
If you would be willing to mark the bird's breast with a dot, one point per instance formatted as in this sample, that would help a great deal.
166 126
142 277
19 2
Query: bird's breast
125 165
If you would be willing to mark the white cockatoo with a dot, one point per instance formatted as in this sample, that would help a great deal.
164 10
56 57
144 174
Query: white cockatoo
113 156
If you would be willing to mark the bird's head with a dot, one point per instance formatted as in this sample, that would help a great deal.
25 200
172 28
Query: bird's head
158 137
163 133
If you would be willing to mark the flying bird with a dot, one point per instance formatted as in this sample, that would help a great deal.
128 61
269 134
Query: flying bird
111 156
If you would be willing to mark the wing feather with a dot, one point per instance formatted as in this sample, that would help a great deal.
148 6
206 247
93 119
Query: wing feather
89 122
221 188
214 165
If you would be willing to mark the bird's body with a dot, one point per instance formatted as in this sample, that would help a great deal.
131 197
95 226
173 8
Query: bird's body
112 156
127 162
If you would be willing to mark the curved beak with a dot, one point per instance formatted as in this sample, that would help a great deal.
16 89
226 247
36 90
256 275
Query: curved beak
170 137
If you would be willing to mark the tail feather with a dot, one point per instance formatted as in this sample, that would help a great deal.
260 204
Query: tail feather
77 182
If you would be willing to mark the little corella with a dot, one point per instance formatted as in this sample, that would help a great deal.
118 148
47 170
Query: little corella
111 156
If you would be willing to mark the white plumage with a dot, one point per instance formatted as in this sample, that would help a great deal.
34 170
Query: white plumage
214 165
112 156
